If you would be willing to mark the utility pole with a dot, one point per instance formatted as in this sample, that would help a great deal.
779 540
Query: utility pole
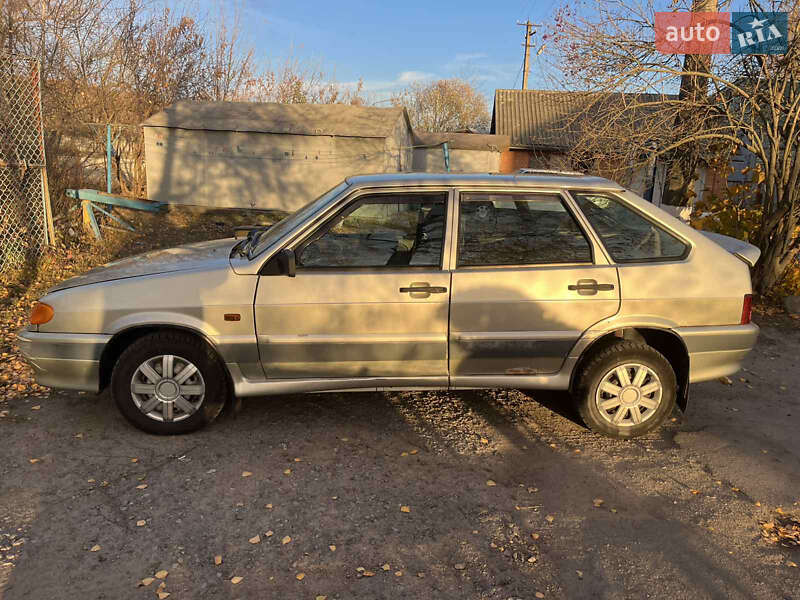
526 67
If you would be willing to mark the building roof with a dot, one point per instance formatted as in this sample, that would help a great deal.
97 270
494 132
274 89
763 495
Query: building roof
464 141
269 117
548 119
477 179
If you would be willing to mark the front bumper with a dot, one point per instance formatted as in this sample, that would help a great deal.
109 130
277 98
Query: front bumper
64 360
717 351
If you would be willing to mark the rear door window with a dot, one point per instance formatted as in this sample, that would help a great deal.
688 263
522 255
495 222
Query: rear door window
628 236
518 229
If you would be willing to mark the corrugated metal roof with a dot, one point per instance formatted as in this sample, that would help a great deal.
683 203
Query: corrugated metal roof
548 119
464 141
268 117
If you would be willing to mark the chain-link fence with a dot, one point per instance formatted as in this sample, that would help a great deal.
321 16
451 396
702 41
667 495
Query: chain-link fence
25 221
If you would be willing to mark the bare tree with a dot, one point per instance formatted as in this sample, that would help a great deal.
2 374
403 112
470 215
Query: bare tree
752 102
444 105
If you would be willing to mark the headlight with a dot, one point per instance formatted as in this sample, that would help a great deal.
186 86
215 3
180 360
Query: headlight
41 313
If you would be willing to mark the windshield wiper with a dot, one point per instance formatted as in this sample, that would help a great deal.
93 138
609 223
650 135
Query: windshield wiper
253 231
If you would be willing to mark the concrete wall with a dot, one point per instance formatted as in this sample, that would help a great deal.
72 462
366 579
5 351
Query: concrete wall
431 160
260 170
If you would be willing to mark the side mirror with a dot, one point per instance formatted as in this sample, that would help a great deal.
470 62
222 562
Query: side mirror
287 262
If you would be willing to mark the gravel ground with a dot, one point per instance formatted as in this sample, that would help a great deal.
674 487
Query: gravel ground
484 494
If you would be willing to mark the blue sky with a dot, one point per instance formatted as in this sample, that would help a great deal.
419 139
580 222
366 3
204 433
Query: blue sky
390 44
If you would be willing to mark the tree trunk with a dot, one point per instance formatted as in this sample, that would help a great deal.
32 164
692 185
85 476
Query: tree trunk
683 170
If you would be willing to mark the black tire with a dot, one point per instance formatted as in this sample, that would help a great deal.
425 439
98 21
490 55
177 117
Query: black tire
178 344
592 372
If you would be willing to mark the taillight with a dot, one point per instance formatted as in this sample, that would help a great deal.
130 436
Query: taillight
747 309
41 313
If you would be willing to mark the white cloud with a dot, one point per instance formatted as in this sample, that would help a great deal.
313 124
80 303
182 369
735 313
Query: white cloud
411 76
466 57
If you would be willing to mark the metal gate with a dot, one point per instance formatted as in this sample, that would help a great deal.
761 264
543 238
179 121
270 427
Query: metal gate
25 219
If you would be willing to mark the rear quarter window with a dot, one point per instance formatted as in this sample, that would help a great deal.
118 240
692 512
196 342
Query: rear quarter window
627 235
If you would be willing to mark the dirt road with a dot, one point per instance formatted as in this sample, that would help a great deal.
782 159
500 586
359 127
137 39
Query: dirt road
673 515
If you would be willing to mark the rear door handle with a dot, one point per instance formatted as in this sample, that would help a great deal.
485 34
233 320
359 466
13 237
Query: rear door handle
589 287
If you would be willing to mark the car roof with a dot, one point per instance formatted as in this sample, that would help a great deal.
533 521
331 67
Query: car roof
552 179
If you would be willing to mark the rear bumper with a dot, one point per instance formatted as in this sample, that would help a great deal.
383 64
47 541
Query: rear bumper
64 360
717 351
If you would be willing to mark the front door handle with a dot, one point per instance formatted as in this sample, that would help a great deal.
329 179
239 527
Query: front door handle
422 289
589 287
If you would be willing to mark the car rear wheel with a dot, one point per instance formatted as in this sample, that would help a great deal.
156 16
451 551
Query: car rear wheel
168 383
625 390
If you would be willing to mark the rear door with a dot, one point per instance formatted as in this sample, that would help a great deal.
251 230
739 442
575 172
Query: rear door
528 281
371 294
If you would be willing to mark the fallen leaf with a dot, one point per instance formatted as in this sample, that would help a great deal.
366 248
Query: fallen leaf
162 574
459 566
484 441
405 509
91 480
236 579
532 559
163 595
79 436
287 472
218 560
695 492
37 407
726 380
298 460
535 536
398 573
33 461
300 576
269 533
490 483
246 473
404 454
368 574
320 598
577 451
141 486
255 539
758 503
141 523
360 569
539 595
414 451
268 506
134 460
550 518
332 548
598 502
579 574
94 548
147 581
789 563
286 540
552 445
386 567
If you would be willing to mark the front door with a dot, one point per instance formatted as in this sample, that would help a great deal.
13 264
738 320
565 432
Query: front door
370 298
526 285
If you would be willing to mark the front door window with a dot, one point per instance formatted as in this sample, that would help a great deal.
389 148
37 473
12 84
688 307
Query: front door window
382 230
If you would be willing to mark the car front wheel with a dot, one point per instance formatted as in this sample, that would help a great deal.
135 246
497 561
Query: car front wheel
625 390
168 383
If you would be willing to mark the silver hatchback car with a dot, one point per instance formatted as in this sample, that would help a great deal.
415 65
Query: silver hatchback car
414 281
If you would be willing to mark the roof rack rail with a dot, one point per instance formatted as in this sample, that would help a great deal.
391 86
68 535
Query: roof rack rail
549 172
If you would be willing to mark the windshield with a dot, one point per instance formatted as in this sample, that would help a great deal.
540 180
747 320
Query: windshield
266 238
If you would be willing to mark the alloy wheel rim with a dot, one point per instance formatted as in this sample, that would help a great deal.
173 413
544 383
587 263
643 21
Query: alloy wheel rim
628 395
167 388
